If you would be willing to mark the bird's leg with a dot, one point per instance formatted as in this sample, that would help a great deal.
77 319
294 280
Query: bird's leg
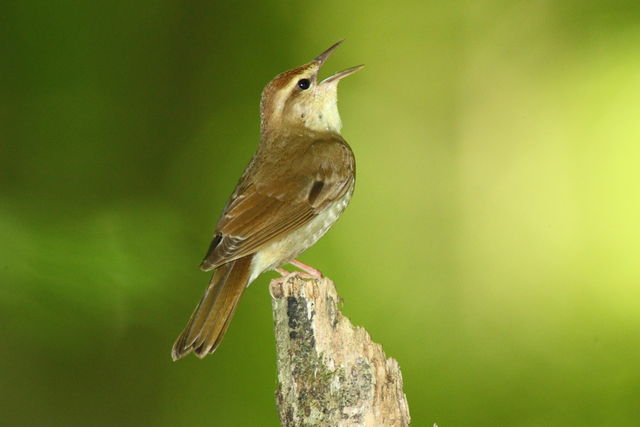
307 272
282 271
311 273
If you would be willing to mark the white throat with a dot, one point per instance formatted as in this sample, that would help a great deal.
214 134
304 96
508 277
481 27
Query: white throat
325 118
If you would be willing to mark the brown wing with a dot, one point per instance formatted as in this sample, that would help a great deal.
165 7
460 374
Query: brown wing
274 198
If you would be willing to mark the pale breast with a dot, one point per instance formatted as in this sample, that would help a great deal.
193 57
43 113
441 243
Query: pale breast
293 244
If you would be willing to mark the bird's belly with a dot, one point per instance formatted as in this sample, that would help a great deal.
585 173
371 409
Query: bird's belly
295 242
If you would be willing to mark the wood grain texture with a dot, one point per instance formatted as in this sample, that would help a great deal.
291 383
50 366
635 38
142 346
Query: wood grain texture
329 371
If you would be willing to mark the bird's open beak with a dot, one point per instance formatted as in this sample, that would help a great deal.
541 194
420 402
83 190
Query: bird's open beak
320 59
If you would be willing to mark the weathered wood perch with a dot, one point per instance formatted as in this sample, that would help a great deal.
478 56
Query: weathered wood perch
330 373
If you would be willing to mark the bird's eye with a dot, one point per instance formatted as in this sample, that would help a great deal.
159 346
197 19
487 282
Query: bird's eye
304 84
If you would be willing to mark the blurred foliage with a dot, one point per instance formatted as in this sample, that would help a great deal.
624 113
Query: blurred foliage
492 244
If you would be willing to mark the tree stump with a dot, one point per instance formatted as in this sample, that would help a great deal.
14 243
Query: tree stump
330 373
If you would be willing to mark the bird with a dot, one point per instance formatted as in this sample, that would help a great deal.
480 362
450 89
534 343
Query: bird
298 183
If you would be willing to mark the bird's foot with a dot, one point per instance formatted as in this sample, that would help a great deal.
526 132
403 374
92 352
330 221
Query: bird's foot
277 284
286 275
307 272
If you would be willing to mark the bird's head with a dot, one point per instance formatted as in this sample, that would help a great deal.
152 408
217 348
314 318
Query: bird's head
296 98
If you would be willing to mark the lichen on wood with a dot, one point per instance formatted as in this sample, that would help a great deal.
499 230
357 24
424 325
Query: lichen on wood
329 371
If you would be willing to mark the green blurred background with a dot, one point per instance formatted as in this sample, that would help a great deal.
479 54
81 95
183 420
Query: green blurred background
492 245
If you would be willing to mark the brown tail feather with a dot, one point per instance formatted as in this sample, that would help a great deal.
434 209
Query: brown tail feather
212 316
